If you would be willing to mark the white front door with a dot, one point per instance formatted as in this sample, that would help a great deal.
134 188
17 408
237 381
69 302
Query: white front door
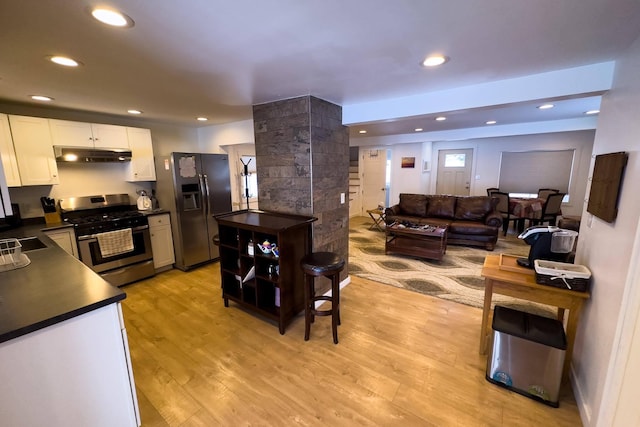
374 167
454 172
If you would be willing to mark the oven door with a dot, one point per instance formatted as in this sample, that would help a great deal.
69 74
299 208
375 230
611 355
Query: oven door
90 251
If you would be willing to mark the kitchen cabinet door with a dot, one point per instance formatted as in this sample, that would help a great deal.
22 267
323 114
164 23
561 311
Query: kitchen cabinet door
142 167
93 135
161 241
71 134
34 150
110 136
76 372
8 154
65 238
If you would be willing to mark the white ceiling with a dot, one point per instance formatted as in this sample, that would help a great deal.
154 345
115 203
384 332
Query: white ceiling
215 58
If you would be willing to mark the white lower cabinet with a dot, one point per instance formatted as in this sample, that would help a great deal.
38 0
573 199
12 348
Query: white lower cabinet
161 241
65 238
76 372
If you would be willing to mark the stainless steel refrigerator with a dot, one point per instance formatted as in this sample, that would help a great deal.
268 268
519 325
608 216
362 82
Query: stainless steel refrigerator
193 187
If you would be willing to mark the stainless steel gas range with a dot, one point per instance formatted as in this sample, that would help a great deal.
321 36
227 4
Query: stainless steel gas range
113 237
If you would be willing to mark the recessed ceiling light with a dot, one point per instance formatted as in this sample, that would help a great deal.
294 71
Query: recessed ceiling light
134 111
112 17
590 112
362 131
202 119
441 118
434 60
491 122
546 106
41 98
418 129
63 60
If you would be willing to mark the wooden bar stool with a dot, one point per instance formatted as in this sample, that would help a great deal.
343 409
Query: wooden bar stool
326 264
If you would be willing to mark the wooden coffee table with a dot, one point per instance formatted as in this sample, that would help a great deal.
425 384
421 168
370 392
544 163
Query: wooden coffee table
417 241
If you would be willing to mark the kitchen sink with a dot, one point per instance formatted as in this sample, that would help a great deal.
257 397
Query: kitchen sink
31 244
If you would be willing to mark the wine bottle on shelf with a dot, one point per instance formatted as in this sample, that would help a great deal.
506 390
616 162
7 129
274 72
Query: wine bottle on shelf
250 248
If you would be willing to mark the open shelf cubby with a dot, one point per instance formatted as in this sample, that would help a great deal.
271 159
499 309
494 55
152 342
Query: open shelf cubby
270 285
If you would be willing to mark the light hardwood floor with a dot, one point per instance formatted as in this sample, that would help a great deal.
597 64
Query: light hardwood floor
404 359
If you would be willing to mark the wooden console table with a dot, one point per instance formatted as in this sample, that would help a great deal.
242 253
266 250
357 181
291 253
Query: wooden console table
263 282
520 282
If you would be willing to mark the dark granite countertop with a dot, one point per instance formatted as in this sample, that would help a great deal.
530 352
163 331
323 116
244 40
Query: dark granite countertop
53 288
154 212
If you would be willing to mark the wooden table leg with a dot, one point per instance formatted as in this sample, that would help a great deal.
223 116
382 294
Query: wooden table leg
377 222
486 309
572 327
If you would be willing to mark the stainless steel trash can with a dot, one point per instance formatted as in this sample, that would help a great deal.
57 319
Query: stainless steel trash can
527 354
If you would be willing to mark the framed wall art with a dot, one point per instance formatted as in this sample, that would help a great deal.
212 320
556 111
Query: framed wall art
408 162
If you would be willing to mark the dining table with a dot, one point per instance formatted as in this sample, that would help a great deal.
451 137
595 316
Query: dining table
523 208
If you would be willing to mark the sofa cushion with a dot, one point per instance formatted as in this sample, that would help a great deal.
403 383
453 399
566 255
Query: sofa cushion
441 206
472 228
473 208
413 204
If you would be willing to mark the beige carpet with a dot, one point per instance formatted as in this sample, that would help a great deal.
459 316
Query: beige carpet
455 278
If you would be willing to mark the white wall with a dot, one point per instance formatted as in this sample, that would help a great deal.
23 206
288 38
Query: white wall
235 139
487 154
77 180
486 162
606 249
212 139
407 180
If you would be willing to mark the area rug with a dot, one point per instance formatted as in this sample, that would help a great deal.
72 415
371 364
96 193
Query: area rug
455 278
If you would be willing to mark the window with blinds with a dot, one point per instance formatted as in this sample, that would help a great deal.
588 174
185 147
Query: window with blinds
528 171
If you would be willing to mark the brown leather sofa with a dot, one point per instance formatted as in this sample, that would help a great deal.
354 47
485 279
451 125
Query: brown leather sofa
471 220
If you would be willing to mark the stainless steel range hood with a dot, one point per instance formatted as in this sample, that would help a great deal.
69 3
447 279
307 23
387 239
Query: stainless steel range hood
90 155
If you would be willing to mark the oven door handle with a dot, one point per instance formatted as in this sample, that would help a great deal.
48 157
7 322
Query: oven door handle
95 236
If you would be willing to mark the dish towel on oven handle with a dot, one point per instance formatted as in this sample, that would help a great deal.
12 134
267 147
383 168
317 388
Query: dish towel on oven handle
115 242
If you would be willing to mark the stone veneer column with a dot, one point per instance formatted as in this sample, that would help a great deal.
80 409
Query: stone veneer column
302 161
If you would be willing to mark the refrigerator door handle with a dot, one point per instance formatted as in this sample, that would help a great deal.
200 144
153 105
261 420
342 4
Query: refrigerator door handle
203 207
206 188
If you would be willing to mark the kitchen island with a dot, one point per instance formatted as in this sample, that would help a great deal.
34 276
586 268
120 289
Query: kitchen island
63 347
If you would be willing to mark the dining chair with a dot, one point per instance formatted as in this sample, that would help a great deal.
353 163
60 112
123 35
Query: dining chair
503 208
544 192
491 190
551 209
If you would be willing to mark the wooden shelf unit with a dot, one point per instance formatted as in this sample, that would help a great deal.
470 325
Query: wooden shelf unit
278 297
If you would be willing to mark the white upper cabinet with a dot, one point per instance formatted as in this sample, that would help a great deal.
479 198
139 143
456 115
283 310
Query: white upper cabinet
8 154
34 150
80 134
142 167
71 134
110 136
